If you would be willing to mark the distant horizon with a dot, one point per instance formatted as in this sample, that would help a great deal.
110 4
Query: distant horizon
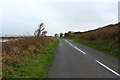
55 33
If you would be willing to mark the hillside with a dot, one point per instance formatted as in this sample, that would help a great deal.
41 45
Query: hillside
107 33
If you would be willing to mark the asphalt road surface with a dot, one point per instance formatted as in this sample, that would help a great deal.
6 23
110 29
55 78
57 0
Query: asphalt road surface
73 60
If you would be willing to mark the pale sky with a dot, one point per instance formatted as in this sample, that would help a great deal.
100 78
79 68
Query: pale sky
19 17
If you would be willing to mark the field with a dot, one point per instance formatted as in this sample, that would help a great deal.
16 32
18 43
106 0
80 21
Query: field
22 56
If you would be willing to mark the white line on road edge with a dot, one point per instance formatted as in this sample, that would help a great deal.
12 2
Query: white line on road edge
107 68
76 47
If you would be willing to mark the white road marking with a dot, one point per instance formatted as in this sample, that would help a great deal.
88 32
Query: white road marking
107 68
66 41
71 44
96 60
79 50
76 47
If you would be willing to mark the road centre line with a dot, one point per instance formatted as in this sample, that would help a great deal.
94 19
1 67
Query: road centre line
76 47
96 60
107 68
79 50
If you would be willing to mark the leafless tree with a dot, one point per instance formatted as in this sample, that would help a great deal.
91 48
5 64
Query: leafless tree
40 31
44 33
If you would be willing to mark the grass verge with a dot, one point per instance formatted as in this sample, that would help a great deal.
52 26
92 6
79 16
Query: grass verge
36 66
108 48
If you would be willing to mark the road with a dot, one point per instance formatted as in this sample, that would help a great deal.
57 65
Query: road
73 60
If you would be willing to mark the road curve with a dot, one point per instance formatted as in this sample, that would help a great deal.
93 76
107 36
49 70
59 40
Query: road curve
73 60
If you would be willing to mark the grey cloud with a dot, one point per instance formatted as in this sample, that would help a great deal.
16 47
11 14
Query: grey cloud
58 17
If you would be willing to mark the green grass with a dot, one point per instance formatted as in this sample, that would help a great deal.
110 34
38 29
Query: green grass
38 65
108 48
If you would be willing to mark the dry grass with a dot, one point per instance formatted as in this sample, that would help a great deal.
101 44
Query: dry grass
14 51
105 34
8 37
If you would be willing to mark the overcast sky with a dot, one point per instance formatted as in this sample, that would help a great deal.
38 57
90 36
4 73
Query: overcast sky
20 17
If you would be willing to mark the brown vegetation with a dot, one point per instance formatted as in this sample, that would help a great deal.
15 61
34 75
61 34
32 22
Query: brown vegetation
10 37
14 51
108 33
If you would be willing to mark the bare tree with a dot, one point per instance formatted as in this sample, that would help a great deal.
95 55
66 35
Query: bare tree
40 31
44 33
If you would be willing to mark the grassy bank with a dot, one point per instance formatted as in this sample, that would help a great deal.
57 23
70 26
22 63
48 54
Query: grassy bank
33 66
108 48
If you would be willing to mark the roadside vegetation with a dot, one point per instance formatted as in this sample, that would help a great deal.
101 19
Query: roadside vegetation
108 48
28 57
104 39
